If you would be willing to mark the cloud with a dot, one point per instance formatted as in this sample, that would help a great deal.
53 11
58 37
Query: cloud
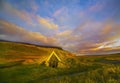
107 47
96 7
89 36
9 31
15 13
95 36
107 29
110 44
59 11
47 23
79 28
33 5
29 19
64 33
69 39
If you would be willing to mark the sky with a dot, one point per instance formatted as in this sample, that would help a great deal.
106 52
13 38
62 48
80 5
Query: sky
84 27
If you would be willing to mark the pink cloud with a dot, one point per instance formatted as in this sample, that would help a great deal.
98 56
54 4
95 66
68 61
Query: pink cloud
59 11
96 7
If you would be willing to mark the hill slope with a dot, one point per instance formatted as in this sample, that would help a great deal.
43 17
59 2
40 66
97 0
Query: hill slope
12 51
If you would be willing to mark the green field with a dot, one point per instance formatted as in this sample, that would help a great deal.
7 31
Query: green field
22 63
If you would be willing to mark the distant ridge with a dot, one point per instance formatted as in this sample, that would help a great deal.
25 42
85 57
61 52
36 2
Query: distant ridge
31 44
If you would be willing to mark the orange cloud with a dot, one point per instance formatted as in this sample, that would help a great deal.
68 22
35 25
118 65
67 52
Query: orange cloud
102 48
64 33
106 29
30 18
9 31
47 23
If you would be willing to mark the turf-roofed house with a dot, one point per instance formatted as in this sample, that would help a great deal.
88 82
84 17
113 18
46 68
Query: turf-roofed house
53 60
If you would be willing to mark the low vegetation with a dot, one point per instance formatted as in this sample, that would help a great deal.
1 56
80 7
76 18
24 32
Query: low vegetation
79 69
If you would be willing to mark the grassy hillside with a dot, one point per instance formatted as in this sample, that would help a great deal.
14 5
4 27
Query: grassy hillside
11 51
82 69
